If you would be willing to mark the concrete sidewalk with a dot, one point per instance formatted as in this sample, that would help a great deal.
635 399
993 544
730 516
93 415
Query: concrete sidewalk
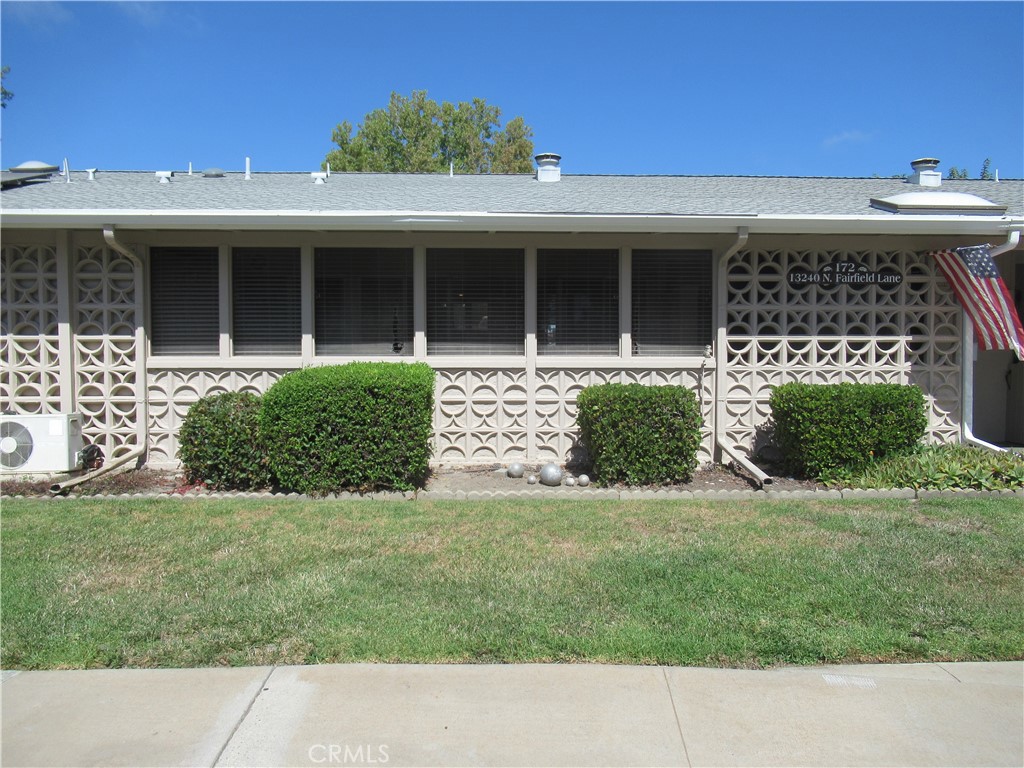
963 714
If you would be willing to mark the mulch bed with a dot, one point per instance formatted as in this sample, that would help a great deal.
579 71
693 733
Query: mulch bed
443 478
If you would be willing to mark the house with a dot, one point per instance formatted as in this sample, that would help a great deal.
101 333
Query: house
129 295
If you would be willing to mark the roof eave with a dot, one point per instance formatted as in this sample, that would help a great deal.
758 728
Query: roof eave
448 221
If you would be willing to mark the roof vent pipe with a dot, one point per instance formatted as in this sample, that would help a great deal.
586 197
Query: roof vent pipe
925 174
547 166
248 169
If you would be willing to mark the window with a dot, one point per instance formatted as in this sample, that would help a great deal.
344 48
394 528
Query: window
266 288
475 302
671 302
577 302
184 301
363 301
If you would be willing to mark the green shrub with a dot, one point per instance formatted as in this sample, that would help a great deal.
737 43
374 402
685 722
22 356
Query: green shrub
822 428
354 427
220 443
940 468
640 435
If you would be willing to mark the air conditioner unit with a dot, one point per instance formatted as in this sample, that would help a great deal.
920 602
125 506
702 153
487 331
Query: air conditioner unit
40 442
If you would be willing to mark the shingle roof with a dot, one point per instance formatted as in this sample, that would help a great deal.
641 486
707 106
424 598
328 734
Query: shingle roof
140 191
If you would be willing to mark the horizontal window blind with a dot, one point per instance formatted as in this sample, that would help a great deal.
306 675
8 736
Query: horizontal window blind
475 301
266 288
577 302
671 302
184 301
363 301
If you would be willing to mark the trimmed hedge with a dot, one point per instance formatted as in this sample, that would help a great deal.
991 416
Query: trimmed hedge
640 435
821 428
354 427
220 444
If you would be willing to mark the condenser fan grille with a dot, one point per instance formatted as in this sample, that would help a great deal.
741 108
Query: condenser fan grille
15 444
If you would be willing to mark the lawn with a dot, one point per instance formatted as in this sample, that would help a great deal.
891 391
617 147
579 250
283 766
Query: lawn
170 583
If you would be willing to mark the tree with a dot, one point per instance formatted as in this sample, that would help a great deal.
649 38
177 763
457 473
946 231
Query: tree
415 134
5 95
961 173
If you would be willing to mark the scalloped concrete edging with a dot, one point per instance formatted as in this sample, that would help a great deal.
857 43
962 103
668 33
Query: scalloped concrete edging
590 493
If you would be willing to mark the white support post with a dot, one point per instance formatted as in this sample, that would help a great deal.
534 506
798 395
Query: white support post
65 322
419 302
306 291
224 299
530 308
626 303
141 349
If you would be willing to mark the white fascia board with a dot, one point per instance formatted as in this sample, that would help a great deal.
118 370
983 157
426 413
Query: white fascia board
448 221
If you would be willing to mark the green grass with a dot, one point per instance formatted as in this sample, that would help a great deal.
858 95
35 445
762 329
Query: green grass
170 583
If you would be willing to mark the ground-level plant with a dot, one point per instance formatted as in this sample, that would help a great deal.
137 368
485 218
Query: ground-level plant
825 428
354 427
221 444
941 468
640 435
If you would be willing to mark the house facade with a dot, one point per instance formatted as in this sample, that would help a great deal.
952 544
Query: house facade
127 296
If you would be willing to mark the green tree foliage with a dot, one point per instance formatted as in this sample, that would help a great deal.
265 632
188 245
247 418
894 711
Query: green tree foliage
415 134
961 173
5 95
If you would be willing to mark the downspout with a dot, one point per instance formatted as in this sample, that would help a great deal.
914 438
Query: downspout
140 339
721 441
967 345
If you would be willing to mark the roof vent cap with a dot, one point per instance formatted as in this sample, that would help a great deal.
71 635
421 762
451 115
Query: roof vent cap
213 173
319 178
925 173
164 176
547 166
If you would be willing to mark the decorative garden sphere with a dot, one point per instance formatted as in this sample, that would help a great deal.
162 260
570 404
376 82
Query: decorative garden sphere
551 474
583 481
515 469
531 480
570 481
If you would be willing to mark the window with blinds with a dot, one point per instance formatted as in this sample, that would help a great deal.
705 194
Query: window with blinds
266 285
363 301
671 302
184 301
577 302
475 301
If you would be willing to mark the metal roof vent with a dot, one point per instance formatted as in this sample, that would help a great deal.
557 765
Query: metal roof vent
925 174
547 166
319 177
92 173
213 173
164 176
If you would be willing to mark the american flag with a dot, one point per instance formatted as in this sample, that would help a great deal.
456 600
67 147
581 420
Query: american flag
974 277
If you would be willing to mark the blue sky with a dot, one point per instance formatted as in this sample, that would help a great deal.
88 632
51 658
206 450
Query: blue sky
764 88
